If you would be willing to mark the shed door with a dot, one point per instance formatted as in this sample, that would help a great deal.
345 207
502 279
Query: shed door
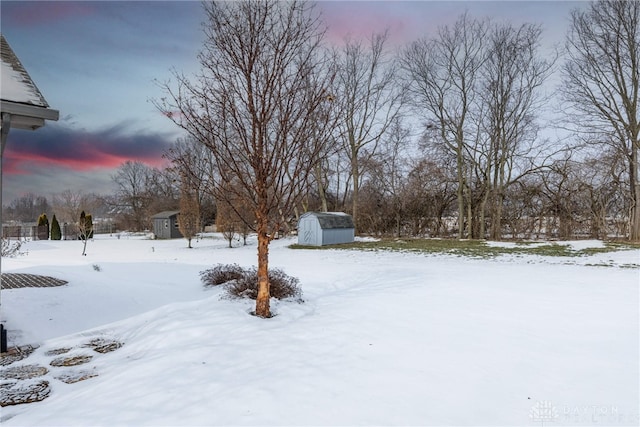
308 231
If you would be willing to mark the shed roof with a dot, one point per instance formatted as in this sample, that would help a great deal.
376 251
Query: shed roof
19 96
165 214
329 220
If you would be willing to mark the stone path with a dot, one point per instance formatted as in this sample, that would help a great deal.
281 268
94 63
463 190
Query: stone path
18 280
22 383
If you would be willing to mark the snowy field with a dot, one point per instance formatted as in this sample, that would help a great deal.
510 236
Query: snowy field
383 338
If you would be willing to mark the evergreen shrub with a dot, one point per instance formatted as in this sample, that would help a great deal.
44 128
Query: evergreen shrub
56 232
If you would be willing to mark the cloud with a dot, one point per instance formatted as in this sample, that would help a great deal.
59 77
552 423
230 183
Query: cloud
79 150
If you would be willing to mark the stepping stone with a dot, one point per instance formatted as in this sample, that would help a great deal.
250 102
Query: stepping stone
23 372
16 354
103 345
19 392
57 351
71 360
71 377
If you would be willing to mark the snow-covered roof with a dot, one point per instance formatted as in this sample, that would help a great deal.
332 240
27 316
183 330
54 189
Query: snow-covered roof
16 84
329 220
165 214
19 96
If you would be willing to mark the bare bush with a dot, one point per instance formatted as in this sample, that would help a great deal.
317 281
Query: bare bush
11 249
221 274
243 283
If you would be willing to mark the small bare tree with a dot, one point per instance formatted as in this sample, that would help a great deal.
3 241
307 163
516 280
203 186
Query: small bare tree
132 178
85 230
262 82
194 161
189 218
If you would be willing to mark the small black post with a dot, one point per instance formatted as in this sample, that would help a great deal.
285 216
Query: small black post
3 339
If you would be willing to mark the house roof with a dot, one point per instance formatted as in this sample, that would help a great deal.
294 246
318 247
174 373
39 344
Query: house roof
330 220
165 214
19 96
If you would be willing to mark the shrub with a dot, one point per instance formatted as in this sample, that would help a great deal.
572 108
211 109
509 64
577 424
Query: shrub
56 233
243 283
10 249
43 227
221 274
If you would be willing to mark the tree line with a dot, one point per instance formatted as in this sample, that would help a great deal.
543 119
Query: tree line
439 138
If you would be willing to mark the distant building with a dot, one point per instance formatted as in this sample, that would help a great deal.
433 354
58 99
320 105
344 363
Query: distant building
165 225
325 228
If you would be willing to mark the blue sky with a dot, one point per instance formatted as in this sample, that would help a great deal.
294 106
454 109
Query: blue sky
96 62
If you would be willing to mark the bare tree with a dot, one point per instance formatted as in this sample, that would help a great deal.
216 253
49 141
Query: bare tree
189 218
26 208
394 171
85 230
511 78
195 162
68 204
261 84
369 99
602 84
444 73
132 178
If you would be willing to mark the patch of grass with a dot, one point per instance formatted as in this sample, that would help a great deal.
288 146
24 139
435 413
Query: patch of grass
472 248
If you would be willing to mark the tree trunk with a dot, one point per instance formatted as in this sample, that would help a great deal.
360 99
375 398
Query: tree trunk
262 301
634 226
321 191
460 196
355 173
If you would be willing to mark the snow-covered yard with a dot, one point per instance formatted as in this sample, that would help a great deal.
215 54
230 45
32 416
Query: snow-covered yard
383 338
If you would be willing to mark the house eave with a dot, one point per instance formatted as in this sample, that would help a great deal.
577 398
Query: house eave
25 116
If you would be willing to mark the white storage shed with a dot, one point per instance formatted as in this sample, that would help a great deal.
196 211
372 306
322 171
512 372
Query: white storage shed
325 228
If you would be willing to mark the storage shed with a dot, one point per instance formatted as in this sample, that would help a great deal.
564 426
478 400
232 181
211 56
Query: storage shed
325 228
165 225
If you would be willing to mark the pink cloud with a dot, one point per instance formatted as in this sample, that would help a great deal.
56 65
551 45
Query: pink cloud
38 13
359 20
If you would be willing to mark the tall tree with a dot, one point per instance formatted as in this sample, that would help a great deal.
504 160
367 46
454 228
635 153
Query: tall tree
444 73
261 83
511 78
369 98
602 83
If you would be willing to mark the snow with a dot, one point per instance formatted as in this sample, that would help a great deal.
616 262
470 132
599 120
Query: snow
15 88
382 338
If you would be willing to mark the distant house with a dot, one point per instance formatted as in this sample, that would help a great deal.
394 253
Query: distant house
165 225
325 228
